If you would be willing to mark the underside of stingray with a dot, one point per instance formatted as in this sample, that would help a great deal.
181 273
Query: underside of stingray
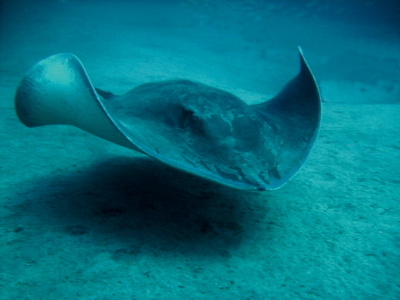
187 125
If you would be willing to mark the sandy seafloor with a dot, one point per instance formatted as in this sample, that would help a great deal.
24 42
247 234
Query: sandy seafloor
81 218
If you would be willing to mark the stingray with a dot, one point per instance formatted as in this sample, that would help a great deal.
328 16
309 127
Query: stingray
187 125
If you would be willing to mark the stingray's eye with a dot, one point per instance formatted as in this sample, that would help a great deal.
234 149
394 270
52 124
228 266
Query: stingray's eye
186 118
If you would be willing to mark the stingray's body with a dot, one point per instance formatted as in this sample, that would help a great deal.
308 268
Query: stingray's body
187 125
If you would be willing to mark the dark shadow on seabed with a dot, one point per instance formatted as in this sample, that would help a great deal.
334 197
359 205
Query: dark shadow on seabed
139 205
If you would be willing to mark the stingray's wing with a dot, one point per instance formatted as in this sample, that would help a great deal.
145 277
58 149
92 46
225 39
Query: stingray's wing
57 90
297 112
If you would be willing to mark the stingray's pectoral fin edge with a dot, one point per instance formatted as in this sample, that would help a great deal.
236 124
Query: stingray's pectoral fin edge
297 111
57 90
105 94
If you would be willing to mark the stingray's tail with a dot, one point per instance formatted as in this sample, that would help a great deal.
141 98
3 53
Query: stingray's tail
57 90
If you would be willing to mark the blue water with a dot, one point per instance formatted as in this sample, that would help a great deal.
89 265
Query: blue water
82 218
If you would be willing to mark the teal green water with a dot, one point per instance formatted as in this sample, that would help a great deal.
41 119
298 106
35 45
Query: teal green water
82 218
